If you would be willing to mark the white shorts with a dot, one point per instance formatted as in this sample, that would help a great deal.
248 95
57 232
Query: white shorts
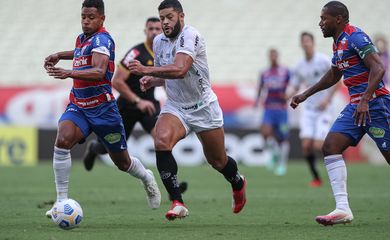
315 124
207 117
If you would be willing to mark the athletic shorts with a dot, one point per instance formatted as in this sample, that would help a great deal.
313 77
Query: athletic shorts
108 126
207 117
131 116
315 124
378 129
278 120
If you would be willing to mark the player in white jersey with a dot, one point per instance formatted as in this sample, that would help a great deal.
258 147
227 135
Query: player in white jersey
181 64
316 115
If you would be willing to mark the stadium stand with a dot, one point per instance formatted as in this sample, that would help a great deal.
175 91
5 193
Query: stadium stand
238 33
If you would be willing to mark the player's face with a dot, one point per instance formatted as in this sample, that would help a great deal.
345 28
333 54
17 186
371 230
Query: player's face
328 24
307 44
91 20
171 22
273 57
152 29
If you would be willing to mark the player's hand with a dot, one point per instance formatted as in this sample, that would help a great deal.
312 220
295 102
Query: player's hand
136 67
58 73
362 113
146 107
297 99
146 82
51 61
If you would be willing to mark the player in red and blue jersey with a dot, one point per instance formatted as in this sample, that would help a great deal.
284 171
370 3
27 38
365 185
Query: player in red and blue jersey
274 127
356 59
92 106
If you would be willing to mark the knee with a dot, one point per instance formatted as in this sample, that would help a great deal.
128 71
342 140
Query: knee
64 141
217 163
328 148
123 166
306 149
162 143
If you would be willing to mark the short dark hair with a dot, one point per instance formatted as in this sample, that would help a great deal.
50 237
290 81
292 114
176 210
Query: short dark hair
336 8
303 34
152 19
175 4
98 4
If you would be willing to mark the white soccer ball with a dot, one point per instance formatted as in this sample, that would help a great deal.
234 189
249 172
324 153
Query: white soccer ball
67 214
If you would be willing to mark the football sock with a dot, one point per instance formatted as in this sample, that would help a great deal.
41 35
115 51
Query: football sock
311 160
98 148
61 166
167 167
337 172
138 170
231 174
284 149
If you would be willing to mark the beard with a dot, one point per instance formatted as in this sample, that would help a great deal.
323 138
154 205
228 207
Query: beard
175 30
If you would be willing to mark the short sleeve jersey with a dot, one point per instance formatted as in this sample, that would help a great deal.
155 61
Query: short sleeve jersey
195 88
94 97
144 54
349 51
308 72
275 81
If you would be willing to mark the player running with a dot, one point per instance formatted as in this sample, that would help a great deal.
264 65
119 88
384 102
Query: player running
316 115
134 105
92 106
274 127
356 59
181 64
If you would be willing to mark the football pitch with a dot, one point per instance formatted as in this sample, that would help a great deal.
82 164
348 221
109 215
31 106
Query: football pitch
115 207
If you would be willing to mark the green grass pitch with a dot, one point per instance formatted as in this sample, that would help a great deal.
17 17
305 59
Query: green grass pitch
115 207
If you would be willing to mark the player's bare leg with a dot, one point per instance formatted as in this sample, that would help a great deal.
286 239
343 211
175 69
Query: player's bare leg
68 135
168 131
334 146
213 143
135 168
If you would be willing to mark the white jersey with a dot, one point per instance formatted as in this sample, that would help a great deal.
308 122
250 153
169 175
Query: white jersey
307 73
194 91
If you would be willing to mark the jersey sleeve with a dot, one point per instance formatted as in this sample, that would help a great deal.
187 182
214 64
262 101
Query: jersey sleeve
188 43
362 44
132 54
102 44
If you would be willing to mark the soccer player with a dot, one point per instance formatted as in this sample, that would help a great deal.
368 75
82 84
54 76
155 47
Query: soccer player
92 106
316 116
274 127
134 105
181 64
356 58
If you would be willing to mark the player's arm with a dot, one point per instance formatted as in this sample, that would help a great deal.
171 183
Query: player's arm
53 59
259 90
119 83
96 73
331 77
177 70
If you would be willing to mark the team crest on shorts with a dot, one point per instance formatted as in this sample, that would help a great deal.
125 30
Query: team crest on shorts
377 132
113 138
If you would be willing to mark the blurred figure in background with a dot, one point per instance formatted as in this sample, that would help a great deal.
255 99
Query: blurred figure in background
316 115
274 128
383 51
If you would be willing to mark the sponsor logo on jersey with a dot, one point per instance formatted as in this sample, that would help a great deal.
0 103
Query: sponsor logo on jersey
377 132
131 56
343 65
113 138
182 41
196 40
79 62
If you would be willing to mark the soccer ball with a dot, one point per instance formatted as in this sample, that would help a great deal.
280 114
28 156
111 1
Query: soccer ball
67 214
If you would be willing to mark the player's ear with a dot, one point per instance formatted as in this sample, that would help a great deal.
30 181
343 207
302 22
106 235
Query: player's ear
181 15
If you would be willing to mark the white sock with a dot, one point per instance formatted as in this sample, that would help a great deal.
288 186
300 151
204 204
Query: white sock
337 173
284 151
138 170
61 166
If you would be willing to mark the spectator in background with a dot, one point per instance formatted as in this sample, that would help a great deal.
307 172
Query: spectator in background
274 127
382 45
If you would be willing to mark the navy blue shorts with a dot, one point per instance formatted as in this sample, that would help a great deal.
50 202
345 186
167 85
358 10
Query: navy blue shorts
378 129
278 119
108 126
